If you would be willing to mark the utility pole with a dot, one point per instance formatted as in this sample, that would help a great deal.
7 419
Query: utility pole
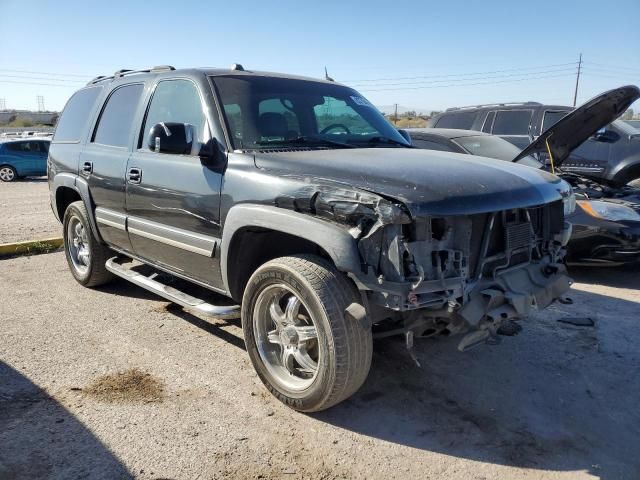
395 115
575 93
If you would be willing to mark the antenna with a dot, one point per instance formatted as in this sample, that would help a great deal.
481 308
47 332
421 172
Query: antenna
326 75
40 100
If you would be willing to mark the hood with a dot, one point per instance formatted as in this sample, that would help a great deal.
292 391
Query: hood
426 182
575 128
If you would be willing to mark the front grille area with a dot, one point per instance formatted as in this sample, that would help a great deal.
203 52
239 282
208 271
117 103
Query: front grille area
512 231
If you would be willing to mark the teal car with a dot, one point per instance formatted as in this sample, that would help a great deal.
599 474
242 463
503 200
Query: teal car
23 158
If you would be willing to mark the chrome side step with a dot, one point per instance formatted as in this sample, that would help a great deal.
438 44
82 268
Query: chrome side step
114 265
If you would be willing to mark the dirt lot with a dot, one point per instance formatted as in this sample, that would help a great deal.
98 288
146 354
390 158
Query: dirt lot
25 211
110 383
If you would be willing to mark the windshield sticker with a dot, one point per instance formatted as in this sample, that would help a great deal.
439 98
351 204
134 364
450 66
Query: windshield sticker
363 102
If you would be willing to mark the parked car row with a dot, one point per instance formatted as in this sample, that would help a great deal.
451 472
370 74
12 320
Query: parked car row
612 153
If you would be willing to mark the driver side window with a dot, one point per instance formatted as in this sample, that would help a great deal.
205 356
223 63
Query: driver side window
176 101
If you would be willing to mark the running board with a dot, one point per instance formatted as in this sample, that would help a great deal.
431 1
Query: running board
115 266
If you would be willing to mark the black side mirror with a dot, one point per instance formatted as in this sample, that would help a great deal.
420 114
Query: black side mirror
607 136
405 135
170 137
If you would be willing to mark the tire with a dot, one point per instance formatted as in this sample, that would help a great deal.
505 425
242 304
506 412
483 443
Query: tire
342 347
8 173
86 256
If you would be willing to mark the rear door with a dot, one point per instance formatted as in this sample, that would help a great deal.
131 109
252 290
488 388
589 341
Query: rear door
104 160
173 201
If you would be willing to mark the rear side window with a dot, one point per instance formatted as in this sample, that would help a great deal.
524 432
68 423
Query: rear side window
550 118
512 122
27 147
76 115
116 119
462 120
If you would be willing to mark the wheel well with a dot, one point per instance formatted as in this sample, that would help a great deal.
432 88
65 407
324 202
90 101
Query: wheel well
252 246
65 196
628 174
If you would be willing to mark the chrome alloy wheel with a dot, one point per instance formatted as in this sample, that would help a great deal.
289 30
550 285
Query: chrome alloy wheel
7 174
78 245
286 337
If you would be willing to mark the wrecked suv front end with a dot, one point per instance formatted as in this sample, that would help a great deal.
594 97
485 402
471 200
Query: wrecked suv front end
465 273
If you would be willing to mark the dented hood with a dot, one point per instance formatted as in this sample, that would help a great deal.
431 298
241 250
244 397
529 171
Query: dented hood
427 182
574 129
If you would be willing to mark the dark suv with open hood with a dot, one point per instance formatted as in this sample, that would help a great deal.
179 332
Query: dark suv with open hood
611 154
308 214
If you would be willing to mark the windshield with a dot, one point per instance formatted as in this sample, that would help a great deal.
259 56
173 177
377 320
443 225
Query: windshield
265 111
494 147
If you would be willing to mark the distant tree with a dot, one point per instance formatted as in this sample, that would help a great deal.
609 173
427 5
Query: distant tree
434 113
628 115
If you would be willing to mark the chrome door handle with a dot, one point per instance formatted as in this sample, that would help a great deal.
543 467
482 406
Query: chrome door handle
134 175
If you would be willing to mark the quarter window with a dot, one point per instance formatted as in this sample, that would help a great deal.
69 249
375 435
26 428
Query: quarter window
76 115
512 122
176 101
117 115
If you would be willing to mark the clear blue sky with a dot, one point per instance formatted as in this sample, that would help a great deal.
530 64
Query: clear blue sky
450 43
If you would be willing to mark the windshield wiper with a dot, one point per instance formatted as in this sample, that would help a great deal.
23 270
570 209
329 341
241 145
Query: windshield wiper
306 140
389 141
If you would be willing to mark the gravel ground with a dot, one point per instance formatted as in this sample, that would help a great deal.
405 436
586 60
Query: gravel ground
25 211
555 402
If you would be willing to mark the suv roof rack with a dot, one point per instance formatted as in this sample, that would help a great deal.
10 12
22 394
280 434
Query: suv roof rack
487 105
124 71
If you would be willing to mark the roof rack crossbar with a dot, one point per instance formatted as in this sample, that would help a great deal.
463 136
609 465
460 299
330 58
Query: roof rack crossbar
488 105
125 71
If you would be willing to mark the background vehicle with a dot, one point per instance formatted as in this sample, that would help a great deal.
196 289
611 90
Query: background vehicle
23 158
276 192
612 154
606 224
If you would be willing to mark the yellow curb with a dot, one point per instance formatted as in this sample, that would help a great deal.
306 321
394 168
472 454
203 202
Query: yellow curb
32 247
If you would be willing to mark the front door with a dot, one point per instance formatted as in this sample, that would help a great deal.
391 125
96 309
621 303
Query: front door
173 201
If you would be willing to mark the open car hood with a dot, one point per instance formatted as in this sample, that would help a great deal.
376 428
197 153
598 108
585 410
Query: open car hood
575 128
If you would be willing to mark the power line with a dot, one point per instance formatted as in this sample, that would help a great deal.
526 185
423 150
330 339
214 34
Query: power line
26 77
572 69
460 74
615 67
469 84
43 84
47 73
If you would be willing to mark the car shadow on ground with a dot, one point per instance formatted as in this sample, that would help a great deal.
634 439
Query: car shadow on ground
556 397
627 276
39 438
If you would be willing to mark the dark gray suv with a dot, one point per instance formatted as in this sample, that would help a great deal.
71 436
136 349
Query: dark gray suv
612 154
292 203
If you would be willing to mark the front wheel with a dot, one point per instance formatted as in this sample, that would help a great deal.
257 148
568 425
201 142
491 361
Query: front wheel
306 351
8 173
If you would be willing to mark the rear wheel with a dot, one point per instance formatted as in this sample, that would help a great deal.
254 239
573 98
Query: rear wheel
86 256
8 173
303 347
